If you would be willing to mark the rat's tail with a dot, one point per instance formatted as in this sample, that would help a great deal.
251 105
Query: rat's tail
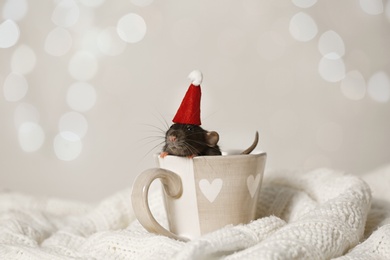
253 146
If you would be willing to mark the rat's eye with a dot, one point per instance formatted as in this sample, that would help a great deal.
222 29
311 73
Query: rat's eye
190 128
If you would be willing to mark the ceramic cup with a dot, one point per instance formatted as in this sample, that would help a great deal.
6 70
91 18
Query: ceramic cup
201 194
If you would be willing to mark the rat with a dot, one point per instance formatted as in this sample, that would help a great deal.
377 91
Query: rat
192 140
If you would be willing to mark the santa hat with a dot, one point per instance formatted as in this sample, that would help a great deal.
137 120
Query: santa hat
189 110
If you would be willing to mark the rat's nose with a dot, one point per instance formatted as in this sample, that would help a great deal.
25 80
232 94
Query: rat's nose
172 138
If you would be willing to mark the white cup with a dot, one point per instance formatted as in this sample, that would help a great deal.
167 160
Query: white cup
201 194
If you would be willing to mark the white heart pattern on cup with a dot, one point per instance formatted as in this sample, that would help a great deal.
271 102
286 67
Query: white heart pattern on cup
253 184
210 190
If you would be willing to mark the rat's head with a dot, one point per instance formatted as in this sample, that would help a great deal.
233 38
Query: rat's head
188 140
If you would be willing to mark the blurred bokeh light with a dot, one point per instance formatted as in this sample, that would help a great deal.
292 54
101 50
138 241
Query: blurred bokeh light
90 86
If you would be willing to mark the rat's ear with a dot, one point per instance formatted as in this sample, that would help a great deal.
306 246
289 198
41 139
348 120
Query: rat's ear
212 138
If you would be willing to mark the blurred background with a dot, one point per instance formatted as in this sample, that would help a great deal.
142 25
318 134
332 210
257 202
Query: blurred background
89 86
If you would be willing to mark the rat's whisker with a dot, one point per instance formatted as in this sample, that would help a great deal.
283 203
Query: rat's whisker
199 142
154 131
157 137
155 127
155 140
154 147
149 139
162 120
191 149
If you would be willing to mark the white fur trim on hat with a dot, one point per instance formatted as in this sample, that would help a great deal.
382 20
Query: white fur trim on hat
195 77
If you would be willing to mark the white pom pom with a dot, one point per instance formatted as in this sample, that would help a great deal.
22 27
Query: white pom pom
196 77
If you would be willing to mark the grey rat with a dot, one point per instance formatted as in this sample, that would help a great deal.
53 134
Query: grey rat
192 140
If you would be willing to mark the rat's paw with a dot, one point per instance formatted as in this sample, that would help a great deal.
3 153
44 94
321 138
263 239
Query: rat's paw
163 154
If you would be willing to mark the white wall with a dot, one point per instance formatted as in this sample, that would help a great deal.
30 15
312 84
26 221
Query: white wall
311 76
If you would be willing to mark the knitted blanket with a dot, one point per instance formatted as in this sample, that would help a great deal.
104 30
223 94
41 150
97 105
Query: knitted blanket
322 214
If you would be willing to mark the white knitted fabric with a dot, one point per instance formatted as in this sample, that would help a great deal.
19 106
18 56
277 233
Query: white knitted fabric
321 214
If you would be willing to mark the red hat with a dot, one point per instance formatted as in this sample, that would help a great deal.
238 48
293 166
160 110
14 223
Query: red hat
189 110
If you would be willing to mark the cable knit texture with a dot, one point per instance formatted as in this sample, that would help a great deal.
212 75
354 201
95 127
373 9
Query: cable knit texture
322 214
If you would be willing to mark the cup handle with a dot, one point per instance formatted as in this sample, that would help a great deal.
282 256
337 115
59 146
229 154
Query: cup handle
139 198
